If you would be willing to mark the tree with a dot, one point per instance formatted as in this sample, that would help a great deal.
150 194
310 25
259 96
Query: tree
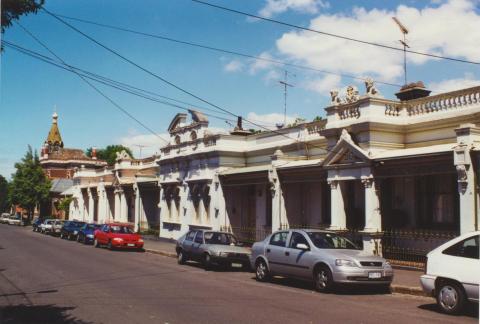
4 202
30 186
13 9
65 204
109 153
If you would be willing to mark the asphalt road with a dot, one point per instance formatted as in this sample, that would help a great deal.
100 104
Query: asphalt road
48 280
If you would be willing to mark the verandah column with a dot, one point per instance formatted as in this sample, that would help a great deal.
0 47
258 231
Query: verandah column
91 205
373 218
116 214
137 207
338 216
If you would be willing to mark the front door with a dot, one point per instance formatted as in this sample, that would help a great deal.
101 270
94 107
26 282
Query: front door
275 252
298 259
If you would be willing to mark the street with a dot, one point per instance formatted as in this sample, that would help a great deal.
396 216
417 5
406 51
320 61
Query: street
48 280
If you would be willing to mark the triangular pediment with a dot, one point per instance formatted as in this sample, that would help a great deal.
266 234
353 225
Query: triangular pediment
345 152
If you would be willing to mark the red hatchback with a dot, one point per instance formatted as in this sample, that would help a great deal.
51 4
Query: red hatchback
117 235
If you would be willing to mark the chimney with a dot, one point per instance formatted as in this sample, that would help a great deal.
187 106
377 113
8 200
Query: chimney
94 153
412 91
238 130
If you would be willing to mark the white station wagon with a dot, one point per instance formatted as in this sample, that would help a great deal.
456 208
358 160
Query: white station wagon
452 274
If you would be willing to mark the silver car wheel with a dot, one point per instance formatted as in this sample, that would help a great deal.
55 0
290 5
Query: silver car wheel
448 297
322 279
261 269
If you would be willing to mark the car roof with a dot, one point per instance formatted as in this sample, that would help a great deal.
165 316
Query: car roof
119 224
310 230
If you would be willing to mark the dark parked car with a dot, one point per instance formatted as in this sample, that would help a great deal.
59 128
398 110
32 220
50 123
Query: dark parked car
212 248
70 229
36 224
86 234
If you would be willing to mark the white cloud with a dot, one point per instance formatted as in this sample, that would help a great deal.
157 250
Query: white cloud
275 7
455 84
324 85
233 66
449 29
269 120
150 143
261 65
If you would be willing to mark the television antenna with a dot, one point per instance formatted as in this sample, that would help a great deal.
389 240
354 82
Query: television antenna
285 85
140 146
404 31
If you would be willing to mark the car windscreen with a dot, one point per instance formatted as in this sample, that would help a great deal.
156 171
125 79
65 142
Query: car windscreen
331 241
93 227
220 238
121 229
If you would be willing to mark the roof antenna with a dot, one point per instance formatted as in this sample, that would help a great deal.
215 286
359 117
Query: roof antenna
285 89
404 31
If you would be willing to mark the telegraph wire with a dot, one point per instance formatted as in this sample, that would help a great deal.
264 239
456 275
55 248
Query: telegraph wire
330 34
217 49
91 85
169 82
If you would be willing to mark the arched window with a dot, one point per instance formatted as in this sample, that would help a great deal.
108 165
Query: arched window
177 139
193 135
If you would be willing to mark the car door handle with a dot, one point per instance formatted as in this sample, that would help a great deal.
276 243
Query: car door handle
268 250
287 253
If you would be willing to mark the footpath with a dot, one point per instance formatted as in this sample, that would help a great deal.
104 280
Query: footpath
405 281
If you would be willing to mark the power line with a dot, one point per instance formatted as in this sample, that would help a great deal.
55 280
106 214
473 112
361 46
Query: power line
90 84
217 49
103 80
168 82
330 34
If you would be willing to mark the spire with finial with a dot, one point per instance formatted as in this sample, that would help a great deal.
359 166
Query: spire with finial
54 139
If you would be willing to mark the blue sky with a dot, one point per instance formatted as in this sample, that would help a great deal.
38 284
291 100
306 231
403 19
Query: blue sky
30 89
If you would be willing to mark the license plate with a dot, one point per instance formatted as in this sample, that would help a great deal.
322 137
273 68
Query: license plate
237 265
130 244
374 275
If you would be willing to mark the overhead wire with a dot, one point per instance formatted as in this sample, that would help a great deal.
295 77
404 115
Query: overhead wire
164 80
331 34
90 84
221 50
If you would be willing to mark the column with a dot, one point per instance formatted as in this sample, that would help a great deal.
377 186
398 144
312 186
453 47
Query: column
91 205
338 216
373 220
163 209
123 207
137 208
278 205
117 214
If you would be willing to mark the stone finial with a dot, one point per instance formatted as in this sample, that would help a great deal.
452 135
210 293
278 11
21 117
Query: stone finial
352 94
371 90
123 155
336 100
94 153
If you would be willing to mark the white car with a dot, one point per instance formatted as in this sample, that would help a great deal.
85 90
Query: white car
4 218
46 226
452 273
15 220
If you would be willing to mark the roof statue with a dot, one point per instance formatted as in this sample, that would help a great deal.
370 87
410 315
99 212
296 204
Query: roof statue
123 155
371 89
336 100
54 139
352 94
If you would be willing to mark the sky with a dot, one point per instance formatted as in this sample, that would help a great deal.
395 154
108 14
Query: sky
31 90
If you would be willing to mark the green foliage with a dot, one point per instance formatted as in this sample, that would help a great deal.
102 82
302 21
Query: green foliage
65 204
297 121
109 153
13 9
318 118
4 201
30 186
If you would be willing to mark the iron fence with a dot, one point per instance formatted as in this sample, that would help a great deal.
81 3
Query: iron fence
248 235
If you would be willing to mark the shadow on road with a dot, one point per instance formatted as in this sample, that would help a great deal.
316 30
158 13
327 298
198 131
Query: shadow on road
471 309
220 268
338 290
45 314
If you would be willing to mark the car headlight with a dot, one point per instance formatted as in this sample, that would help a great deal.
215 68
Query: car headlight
118 239
75 232
387 264
345 263
140 240
90 235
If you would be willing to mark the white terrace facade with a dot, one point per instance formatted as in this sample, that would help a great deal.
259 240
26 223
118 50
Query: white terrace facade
374 165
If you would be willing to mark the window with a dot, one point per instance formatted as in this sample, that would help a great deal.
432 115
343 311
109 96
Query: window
193 135
324 240
279 239
297 238
220 238
190 236
199 238
467 248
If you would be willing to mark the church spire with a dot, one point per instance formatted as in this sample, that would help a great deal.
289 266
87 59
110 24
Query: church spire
54 139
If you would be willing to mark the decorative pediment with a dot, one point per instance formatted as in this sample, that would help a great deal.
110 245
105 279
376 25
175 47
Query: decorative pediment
179 119
345 152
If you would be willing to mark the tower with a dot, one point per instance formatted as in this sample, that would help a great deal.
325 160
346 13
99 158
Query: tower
54 140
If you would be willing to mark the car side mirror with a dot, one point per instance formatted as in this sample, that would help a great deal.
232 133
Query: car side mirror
302 246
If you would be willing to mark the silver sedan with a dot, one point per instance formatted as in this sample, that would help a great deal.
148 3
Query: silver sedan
321 256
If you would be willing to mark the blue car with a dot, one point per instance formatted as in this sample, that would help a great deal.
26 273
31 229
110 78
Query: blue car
70 229
36 224
86 233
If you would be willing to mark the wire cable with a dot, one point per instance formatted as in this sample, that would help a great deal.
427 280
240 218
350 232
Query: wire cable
217 49
331 34
90 84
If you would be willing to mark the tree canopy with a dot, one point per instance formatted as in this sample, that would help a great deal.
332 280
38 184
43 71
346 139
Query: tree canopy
30 186
13 9
4 203
109 153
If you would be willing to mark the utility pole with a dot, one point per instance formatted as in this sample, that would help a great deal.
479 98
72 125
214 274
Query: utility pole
404 31
140 149
285 85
